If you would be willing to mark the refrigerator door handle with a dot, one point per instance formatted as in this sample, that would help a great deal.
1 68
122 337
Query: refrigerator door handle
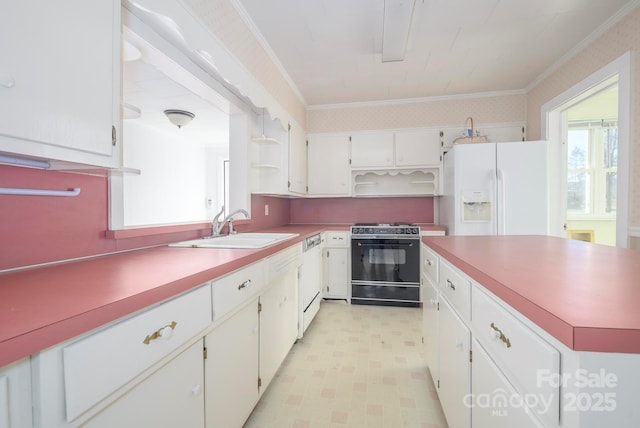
502 195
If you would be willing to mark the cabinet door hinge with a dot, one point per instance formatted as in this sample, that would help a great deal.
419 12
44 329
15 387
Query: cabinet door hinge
327 289
204 353
470 356
288 185
327 253
288 127
259 307
438 306
422 339
307 143
259 382
114 135
438 383
307 189
349 161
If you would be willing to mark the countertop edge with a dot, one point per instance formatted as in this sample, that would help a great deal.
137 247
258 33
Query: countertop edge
29 343
577 338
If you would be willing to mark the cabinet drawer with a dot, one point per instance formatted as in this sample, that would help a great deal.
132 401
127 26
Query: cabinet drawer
456 288
430 264
337 239
236 288
529 362
97 365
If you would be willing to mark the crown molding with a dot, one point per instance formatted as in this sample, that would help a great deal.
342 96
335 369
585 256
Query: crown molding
438 98
599 31
267 48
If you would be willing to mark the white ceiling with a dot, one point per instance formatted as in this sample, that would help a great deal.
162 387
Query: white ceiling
331 49
153 83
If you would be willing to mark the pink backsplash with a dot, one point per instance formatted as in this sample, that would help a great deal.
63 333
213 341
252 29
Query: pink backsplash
39 229
362 210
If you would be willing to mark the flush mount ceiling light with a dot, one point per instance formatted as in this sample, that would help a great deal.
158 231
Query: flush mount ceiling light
179 118
396 26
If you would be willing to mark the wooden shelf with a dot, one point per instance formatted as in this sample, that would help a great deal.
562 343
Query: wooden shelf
265 140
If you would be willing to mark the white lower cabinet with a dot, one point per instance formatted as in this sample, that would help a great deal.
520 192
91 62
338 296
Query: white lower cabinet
278 324
430 328
485 361
171 397
15 395
231 369
336 275
454 345
494 402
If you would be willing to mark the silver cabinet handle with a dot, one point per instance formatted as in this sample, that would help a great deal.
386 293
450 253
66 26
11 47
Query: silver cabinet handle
244 284
427 262
451 285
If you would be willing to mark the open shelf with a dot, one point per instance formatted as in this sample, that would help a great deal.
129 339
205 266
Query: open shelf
395 182
265 140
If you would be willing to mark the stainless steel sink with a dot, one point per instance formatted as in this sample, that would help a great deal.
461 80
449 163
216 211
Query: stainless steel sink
240 240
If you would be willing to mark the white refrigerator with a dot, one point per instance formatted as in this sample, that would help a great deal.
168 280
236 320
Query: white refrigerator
495 189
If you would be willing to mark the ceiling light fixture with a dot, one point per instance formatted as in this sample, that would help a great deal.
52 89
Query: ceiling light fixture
179 118
396 27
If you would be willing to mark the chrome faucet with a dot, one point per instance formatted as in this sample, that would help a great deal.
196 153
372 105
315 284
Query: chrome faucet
217 226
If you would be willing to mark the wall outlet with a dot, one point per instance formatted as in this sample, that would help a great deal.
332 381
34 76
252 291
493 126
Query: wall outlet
266 209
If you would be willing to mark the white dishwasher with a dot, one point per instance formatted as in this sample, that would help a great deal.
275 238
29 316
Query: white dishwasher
310 283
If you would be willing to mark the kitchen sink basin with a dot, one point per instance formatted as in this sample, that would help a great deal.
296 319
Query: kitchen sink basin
240 240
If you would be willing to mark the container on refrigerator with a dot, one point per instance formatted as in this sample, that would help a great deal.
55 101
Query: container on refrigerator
495 189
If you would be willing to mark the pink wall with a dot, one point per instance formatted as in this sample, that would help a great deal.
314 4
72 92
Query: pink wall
362 210
39 229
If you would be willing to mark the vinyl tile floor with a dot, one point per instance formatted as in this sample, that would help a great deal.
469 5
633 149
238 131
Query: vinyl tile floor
357 366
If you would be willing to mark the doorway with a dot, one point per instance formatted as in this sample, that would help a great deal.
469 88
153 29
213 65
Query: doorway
587 128
590 147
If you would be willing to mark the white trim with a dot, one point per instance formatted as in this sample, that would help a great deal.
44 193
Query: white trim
445 128
634 232
267 48
621 66
416 100
599 31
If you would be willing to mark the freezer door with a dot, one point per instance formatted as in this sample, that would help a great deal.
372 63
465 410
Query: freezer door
522 202
475 183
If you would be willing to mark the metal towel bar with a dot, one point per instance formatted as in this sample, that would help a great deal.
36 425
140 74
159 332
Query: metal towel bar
39 192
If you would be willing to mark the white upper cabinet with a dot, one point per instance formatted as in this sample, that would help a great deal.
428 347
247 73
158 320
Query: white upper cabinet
297 160
60 80
372 150
417 148
401 149
329 169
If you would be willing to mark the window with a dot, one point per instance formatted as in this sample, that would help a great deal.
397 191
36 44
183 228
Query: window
592 168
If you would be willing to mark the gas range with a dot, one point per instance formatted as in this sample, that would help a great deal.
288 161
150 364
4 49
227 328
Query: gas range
361 230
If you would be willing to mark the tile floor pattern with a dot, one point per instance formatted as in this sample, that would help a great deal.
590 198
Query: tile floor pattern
357 366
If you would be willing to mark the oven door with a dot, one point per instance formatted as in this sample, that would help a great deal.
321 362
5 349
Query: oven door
389 260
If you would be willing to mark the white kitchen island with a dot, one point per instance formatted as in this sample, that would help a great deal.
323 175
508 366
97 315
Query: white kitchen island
532 331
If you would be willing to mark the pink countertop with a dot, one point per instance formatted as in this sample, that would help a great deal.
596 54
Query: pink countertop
41 307
585 295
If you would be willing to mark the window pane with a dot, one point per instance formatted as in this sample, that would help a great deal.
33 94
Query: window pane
578 149
611 191
578 192
610 147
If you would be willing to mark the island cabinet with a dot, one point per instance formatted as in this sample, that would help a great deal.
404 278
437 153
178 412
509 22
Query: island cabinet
15 395
480 357
60 81
494 367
